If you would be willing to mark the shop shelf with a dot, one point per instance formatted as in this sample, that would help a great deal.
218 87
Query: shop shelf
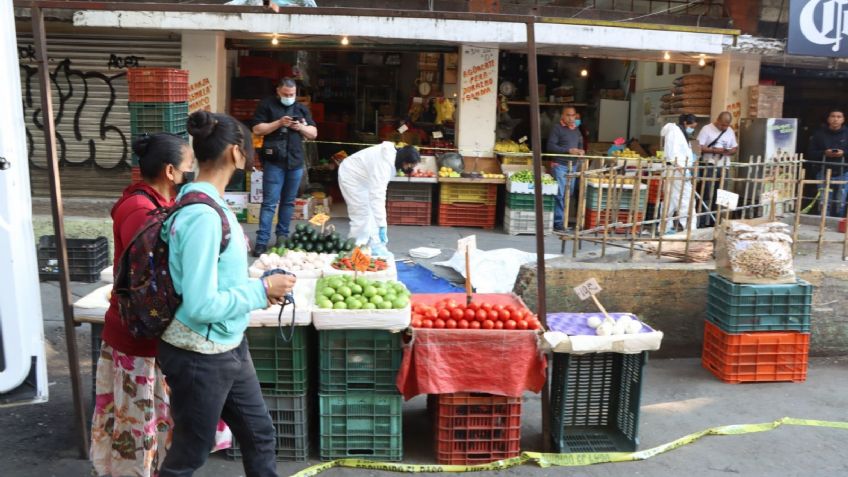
244 109
467 215
765 356
281 367
358 360
451 193
157 85
409 192
624 199
409 213
598 218
86 258
526 202
737 307
361 425
595 401
290 416
524 222
517 160
158 117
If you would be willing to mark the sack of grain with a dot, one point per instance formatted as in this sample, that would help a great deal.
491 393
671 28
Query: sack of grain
693 79
680 103
696 110
693 88
695 95
758 254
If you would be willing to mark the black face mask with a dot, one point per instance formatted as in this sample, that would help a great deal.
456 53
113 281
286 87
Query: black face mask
188 178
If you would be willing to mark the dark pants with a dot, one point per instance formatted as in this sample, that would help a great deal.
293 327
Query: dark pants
279 187
708 171
205 387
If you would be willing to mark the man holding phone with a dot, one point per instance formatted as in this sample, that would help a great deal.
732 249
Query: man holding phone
718 144
827 148
284 123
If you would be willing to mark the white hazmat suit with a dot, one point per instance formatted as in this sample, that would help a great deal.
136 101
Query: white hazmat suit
678 152
363 179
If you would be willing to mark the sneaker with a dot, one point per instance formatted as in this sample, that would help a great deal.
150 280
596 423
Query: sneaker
259 250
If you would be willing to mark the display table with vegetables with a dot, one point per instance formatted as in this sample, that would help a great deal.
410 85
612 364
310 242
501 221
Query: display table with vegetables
377 268
310 239
345 302
304 265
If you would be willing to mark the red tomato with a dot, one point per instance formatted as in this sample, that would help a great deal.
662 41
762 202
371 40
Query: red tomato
427 324
416 316
510 309
483 315
489 324
473 306
457 314
474 325
504 315
463 324
444 314
450 304
509 324
416 323
486 306
439 323
432 314
450 323
499 325
522 325
498 308
470 314
519 314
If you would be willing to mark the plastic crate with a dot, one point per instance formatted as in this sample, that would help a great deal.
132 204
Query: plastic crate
261 66
598 218
409 213
358 360
290 416
158 117
244 109
467 215
473 428
526 202
361 425
765 356
655 190
86 258
157 85
135 175
842 225
333 131
523 222
486 194
740 307
400 192
281 367
625 199
595 402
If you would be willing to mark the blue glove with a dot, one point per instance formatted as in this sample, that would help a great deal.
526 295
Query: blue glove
383 235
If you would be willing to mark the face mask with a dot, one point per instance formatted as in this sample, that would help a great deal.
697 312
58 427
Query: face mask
188 177
287 101
577 123
690 130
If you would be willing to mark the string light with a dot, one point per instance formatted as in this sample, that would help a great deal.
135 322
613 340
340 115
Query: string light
667 56
275 41
345 41
584 72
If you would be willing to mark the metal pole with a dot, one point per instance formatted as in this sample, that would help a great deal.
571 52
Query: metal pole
40 38
536 141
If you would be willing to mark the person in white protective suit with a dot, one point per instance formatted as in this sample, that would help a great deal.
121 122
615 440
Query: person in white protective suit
363 179
678 154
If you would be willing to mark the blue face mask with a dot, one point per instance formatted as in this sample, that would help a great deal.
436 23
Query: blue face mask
577 123
287 101
690 130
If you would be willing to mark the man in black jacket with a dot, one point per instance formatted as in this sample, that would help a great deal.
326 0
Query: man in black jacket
827 147
284 123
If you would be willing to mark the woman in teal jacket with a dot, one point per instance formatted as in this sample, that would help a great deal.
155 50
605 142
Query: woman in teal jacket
203 352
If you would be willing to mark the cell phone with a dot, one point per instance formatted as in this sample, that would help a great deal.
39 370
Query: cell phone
834 150
296 119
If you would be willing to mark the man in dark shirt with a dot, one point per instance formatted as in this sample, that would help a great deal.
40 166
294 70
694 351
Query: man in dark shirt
828 146
284 123
565 138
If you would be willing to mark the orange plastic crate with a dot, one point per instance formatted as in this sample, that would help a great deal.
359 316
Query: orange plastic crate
467 215
474 428
597 218
654 190
157 85
765 356
842 224
408 213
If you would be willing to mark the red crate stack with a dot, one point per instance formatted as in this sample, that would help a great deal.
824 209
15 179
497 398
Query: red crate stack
475 428
467 215
157 85
135 175
598 218
243 109
408 213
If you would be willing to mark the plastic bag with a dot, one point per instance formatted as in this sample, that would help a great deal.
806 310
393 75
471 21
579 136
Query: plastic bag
492 271
755 254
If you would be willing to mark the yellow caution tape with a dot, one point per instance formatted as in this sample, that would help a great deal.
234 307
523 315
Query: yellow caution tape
572 460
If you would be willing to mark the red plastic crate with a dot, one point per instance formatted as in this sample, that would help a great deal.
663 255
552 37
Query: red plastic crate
654 190
317 110
135 175
765 356
332 131
157 85
467 215
243 109
408 213
597 218
473 428
260 66
842 224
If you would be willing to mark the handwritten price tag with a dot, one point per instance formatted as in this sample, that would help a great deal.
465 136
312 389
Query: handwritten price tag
437 135
359 260
403 128
319 220
588 289
467 244
522 140
727 199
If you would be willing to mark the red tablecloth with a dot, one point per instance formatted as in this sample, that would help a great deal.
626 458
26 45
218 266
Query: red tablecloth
503 362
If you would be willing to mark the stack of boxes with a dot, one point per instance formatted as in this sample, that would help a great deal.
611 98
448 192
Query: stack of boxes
359 404
467 205
158 102
409 203
476 428
520 211
624 203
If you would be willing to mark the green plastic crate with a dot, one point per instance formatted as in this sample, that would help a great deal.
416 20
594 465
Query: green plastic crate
158 117
282 367
361 425
624 201
595 402
737 308
525 202
290 415
358 360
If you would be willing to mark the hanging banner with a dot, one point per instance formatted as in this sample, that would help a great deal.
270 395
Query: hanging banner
818 28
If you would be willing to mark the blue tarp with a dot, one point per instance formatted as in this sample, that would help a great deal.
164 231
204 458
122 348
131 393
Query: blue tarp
421 280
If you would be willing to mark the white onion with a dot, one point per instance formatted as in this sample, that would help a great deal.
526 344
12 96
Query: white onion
594 321
604 329
634 327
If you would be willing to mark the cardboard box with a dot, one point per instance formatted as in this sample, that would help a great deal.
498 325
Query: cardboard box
301 206
253 211
255 182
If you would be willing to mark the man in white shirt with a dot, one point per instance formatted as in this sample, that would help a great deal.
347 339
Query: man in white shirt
718 144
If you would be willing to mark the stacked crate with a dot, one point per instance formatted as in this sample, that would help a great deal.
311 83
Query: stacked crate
476 428
283 372
607 205
359 404
520 213
467 205
158 102
757 333
409 203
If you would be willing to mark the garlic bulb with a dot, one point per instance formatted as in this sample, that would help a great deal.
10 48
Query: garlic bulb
594 321
604 329
634 327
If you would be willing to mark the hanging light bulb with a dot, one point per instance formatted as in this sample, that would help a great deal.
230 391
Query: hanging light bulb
702 62
345 41
584 72
667 56
275 41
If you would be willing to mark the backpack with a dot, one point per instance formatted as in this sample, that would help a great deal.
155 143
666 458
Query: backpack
147 300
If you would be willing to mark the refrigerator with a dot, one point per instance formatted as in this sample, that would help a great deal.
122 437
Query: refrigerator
769 139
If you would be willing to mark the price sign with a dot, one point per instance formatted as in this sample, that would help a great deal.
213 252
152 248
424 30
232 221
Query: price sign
418 100
588 289
359 260
437 135
403 128
727 199
467 244
522 140
319 220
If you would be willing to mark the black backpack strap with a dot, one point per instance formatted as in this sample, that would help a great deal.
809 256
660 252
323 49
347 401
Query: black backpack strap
192 198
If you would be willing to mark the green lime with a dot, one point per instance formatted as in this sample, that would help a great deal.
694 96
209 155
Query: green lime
376 299
345 291
386 305
400 302
356 288
369 291
369 306
340 306
337 298
328 292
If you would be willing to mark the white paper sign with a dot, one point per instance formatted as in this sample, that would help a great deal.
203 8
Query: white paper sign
417 100
727 199
403 128
522 140
467 244
588 288
437 135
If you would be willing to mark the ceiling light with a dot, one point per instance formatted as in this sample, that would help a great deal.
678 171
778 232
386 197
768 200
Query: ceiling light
667 56
345 41
702 62
275 41
584 72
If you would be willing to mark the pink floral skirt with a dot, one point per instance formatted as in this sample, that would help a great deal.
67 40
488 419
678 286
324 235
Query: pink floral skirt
131 428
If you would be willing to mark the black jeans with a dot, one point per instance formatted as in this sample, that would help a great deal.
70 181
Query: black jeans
708 171
205 387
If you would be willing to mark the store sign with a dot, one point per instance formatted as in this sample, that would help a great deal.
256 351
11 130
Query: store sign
818 28
588 289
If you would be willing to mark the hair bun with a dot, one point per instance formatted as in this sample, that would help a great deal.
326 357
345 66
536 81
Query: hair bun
201 124
141 145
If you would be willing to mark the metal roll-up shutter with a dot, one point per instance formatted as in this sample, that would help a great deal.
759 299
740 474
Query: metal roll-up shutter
89 107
